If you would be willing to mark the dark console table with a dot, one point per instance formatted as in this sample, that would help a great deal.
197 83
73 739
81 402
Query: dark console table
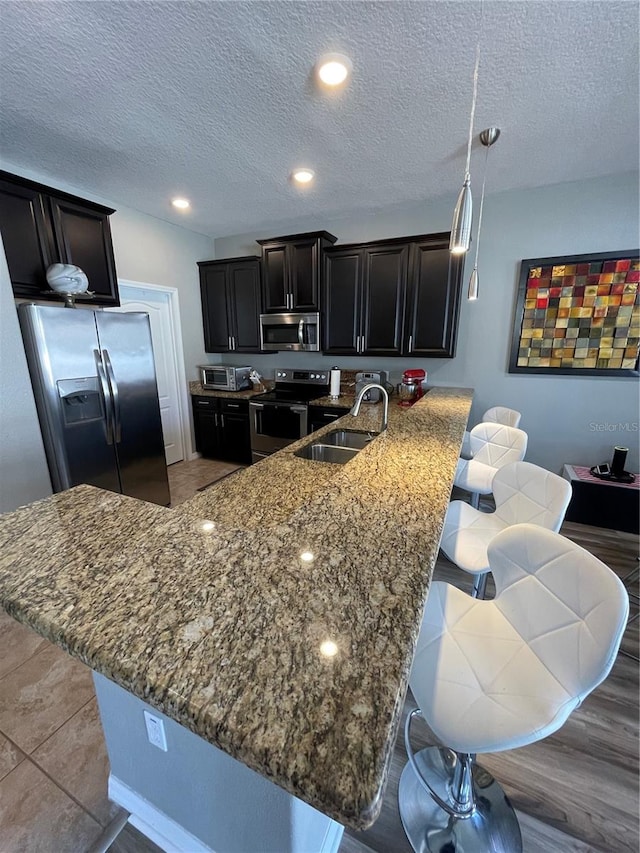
603 503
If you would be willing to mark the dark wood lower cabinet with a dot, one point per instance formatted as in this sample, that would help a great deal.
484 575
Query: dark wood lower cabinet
320 416
221 429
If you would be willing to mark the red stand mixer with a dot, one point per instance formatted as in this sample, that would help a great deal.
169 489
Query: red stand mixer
410 389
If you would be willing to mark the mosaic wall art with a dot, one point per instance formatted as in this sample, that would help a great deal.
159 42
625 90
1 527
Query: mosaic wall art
579 314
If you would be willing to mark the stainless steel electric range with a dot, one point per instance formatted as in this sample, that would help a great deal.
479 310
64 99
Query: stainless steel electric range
280 417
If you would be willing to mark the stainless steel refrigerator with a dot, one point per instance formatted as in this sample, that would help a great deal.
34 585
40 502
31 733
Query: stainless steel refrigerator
94 382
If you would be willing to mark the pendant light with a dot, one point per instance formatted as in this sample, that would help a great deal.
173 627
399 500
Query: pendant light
487 138
463 214
460 238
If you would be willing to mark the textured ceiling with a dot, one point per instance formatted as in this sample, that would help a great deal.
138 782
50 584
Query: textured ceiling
140 101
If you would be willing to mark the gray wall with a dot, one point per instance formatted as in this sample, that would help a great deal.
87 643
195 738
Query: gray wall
229 807
24 476
573 420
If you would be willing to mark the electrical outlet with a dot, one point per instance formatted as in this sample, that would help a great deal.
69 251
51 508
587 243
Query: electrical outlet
155 731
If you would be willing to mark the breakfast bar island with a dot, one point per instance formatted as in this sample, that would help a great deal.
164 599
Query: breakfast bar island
268 623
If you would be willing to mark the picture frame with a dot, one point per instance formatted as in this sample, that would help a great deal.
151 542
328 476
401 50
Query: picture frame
578 315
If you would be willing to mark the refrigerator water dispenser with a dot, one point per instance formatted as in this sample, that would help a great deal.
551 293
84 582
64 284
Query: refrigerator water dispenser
80 399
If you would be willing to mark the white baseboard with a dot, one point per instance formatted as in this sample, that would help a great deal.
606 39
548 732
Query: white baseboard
332 839
162 830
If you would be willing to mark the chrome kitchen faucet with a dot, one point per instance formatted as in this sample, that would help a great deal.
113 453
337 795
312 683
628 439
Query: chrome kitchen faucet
385 413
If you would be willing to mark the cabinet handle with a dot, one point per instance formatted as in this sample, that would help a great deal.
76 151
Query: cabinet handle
229 342
233 342
410 343
329 415
216 420
222 421
233 405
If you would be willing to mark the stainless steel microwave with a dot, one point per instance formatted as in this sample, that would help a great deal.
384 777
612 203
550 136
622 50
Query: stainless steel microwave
224 377
290 332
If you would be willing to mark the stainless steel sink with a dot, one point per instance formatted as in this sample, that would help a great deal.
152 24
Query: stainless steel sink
327 453
348 438
338 446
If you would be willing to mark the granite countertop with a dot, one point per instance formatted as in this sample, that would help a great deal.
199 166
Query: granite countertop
218 613
196 390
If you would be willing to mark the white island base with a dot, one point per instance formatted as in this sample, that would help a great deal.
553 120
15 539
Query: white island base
194 798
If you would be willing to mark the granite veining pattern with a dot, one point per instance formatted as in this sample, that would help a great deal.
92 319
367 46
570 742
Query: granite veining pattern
274 615
196 390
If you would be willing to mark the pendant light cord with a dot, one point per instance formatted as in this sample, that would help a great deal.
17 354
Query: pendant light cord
484 180
473 108
475 91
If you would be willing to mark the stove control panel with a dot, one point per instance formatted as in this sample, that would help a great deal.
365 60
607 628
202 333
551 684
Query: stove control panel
306 377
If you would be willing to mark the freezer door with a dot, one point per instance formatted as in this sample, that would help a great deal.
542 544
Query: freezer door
127 354
61 347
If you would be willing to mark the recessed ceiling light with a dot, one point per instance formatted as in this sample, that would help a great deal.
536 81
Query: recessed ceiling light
181 203
333 69
303 176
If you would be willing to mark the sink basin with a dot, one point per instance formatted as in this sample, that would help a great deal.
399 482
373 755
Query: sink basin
327 453
348 438
339 446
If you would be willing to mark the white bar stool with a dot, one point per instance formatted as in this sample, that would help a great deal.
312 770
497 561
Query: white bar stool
492 447
495 675
523 492
494 415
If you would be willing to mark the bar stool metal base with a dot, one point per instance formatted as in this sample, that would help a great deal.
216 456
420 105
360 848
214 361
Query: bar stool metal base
492 826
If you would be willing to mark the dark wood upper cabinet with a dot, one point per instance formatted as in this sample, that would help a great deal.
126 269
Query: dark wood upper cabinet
230 291
389 298
384 290
213 291
342 300
26 237
41 226
433 299
292 271
83 237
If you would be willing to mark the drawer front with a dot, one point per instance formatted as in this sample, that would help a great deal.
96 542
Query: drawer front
205 404
239 407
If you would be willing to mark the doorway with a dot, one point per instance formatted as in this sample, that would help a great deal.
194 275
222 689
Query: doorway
161 304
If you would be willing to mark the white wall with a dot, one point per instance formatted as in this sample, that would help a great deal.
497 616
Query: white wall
563 415
24 476
157 252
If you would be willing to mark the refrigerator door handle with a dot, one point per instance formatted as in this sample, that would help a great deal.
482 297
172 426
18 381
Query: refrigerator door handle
115 396
106 396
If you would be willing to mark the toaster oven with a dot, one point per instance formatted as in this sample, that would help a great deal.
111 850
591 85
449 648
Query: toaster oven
224 377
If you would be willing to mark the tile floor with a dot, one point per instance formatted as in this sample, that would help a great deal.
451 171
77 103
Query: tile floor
53 762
